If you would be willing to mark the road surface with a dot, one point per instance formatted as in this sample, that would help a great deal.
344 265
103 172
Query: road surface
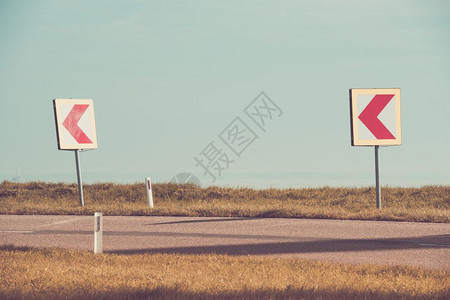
356 242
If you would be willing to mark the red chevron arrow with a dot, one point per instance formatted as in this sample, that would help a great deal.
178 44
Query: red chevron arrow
369 117
71 123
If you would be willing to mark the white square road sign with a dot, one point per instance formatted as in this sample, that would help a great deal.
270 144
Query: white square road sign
375 117
75 124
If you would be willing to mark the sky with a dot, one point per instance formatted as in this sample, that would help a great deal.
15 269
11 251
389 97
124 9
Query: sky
171 81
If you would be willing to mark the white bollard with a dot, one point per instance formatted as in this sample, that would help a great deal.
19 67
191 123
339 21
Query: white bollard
98 232
148 187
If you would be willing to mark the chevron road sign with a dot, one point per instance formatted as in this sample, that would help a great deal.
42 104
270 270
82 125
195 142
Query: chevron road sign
75 124
375 121
75 130
375 117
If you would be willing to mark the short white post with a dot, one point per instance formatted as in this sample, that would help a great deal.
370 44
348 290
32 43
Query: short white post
148 187
98 232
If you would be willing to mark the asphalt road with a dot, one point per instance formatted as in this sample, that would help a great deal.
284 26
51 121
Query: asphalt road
356 242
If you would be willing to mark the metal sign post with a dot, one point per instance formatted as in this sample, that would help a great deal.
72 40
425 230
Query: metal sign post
377 178
80 183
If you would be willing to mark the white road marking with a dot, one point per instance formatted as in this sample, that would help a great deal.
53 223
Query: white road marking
60 222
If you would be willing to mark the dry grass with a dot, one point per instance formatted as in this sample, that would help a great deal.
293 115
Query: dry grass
425 204
68 274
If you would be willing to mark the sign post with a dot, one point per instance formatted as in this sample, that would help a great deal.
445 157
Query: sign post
75 129
375 120
377 178
80 183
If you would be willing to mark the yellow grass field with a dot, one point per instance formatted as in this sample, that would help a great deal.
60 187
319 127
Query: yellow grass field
67 274
424 204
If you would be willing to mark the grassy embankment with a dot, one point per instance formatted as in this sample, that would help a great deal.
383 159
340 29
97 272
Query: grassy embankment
68 274
425 204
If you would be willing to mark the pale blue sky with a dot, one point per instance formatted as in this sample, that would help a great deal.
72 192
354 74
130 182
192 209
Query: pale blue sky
167 77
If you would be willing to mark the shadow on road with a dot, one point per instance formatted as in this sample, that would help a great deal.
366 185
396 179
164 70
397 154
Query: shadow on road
315 246
211 220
